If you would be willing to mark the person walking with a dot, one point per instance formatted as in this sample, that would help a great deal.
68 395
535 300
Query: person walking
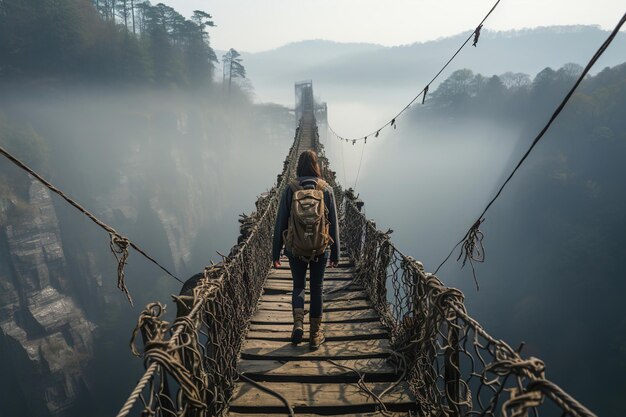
307 226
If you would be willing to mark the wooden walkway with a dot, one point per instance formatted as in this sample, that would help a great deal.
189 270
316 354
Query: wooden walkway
313 382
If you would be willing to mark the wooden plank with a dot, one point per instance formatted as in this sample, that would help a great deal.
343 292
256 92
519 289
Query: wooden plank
286 286
343 254
343 263
284 317
342 259
356 349
376 369
337 296
331 335
328 305
327 277
328 271
330 283
374 414
311 397
335 327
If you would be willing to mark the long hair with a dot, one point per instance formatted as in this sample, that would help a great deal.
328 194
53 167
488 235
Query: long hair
308 166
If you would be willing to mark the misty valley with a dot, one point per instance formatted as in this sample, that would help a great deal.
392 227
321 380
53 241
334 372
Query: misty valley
129 109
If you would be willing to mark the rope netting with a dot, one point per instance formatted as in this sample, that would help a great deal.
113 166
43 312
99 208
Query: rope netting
191 363
455 368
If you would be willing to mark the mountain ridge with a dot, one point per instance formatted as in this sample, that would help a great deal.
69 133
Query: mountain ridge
340 68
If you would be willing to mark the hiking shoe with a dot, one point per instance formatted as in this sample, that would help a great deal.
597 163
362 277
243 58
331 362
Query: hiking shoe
298 326
316 337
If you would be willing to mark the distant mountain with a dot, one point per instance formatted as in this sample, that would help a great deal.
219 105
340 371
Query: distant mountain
354 68
308 53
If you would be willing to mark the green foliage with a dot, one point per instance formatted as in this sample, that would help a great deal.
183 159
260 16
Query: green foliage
561 220
107 40
514 96
233 68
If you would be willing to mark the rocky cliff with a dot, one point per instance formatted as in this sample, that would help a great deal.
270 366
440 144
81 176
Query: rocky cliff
170 175
45 337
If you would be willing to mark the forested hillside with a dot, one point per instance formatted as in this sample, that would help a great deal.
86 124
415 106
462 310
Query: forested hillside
554 241
104 40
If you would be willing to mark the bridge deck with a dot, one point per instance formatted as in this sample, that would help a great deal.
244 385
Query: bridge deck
321 382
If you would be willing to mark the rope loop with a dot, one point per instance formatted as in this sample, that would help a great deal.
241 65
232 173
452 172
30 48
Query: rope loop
532 366
151 326
520 403
472 249
477 34
119 247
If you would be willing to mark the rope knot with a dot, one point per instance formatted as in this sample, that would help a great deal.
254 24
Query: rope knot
521 402
150 325
477 34
531 367
119 247
472 249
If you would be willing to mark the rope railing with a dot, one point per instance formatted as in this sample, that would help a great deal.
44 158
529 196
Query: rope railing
454 366
191 363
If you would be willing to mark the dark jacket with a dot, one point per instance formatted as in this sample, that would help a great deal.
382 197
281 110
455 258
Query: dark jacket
284 210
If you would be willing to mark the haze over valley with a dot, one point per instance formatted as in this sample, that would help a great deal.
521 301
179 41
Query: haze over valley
141 124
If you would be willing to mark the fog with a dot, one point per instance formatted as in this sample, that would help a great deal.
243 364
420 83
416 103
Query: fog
171 170
553 247
150 141
435 179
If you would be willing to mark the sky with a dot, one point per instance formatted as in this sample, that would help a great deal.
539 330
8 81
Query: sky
259 25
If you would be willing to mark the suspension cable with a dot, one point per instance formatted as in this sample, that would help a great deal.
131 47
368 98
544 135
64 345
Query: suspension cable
472 240
119 244
475 35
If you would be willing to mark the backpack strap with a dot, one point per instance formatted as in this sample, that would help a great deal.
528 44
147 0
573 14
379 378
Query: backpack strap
295 185
321 184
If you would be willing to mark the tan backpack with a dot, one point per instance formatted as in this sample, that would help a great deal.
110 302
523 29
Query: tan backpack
307 234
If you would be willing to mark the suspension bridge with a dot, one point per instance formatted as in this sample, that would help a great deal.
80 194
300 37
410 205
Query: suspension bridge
399 342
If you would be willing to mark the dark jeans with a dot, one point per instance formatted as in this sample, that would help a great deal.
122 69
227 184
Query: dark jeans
298 272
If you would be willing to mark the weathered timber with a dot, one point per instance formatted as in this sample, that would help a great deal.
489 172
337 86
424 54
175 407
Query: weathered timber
328 306
328 297
354 349
331 335
319 371
273 286
375 414
347 270
347 328
285 317
339 276
311 397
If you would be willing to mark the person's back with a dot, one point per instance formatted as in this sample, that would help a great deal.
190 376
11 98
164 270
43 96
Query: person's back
310 233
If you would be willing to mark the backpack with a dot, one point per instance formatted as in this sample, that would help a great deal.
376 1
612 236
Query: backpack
307 234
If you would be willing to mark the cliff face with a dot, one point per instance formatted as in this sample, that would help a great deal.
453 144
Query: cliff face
166 176
45 337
